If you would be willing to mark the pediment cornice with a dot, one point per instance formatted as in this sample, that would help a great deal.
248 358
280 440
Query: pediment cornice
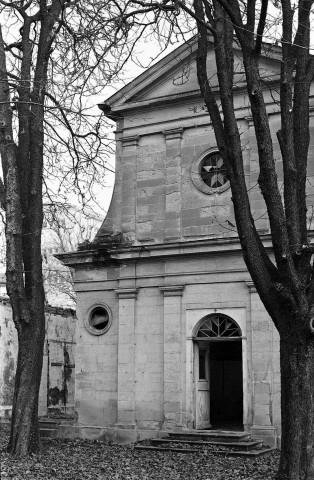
150 89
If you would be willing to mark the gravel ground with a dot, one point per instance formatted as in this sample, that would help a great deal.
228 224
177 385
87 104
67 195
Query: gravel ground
94 460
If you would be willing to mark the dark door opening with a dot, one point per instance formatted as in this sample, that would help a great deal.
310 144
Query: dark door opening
226 384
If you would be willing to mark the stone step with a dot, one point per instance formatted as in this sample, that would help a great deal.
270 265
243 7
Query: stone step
227 453
165 449
47 423
218 435
246 445
48 432
244 453
227 443
48 428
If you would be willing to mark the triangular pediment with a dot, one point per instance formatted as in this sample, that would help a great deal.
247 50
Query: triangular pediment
175 77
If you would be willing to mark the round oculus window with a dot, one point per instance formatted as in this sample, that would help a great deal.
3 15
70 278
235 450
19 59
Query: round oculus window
209 173
98 320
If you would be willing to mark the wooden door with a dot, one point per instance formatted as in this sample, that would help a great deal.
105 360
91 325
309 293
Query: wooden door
226 389
202 388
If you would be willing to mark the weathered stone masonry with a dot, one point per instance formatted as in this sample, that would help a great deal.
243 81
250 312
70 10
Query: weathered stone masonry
167 263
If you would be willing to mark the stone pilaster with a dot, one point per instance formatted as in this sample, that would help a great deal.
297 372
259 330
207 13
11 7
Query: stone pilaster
126 357
262 370
128 181
173 388
173 182
43 391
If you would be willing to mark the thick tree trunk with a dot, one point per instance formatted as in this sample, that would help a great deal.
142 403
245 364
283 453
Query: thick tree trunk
297 406
24 438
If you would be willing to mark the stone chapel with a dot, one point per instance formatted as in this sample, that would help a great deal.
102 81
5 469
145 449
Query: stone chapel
171 334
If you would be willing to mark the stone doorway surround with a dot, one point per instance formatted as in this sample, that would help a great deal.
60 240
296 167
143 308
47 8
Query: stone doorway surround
194 317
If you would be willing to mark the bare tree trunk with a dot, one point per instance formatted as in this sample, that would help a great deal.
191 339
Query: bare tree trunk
43 48
23 173
24 438
297 406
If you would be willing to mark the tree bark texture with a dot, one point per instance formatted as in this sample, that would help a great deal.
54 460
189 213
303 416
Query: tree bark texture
297 407
23 176
24 437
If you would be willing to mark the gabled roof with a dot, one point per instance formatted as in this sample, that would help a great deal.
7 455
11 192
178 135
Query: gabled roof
174 77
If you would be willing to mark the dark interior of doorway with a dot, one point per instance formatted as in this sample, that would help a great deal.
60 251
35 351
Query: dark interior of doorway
226 385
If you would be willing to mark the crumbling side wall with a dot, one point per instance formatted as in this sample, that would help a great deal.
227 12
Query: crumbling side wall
8 355
58 365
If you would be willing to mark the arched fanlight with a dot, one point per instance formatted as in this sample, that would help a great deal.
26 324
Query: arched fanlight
218 326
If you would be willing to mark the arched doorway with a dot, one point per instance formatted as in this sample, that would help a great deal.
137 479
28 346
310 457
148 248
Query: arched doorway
218 373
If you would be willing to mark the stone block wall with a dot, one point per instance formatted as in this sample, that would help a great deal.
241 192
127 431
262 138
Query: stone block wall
155 199
265 371
137 379
60 333
149 359
96 362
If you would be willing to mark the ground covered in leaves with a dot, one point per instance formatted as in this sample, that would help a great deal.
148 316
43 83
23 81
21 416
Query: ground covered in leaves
94 460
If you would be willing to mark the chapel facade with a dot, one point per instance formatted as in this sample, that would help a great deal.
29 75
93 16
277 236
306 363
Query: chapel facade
171 334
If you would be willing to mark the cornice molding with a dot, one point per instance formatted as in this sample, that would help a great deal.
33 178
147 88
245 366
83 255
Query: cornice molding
168 64
104 256
84 257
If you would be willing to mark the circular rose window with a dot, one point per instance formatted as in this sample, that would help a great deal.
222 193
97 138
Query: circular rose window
209 173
